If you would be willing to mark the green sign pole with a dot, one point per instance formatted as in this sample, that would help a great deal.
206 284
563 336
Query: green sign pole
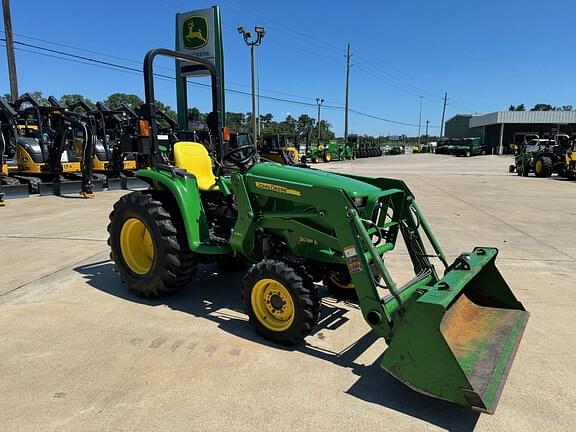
220 60
207 48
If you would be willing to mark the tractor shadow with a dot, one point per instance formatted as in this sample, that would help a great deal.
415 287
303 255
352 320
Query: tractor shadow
214 293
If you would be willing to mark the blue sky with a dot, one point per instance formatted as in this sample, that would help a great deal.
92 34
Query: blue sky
486 55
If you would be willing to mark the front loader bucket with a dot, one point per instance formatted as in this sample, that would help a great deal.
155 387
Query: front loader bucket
457 341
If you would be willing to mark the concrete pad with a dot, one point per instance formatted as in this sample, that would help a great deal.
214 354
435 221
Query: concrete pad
79 352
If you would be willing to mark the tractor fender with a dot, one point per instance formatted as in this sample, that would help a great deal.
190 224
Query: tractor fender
183 188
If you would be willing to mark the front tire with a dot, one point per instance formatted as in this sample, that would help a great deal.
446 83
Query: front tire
148 245
281 302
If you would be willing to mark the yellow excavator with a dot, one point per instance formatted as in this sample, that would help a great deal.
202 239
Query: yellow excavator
110 164
45 155
277 148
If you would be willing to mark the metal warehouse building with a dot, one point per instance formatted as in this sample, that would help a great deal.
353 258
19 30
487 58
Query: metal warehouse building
497 129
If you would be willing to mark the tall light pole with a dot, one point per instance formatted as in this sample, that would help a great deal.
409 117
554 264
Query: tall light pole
10 50
419 120
253 43
319 102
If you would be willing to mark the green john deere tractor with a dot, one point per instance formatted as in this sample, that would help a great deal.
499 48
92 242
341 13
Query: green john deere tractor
319 153
341 151
543 157
451 334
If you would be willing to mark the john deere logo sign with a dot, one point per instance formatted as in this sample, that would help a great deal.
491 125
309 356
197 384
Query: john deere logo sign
195 31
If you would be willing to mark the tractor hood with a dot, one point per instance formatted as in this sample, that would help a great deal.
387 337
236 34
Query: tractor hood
313 177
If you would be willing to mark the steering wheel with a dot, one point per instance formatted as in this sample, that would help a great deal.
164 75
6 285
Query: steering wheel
240 156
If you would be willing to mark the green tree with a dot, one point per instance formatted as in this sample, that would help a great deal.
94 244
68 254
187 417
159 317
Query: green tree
288 126
69 99
520 107
305 120
543 107
325 133
236 122
194 114
39 97
266 123
115 100
166 109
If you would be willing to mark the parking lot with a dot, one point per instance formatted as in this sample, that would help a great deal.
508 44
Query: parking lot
80 353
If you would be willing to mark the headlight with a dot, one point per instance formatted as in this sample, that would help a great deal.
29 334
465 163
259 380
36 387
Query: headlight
360 201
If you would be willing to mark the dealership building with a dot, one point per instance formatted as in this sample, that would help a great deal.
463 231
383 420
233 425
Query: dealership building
497 129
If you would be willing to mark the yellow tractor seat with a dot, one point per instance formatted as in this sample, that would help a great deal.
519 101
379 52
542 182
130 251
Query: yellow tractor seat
194 158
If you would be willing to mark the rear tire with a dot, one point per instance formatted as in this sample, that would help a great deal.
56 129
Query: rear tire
327 157
282 302
148 245
543 167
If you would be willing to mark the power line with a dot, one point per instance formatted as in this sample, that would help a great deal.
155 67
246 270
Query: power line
396 84
362 64
287 30
367 66
139 62
418 90
62 55
386 119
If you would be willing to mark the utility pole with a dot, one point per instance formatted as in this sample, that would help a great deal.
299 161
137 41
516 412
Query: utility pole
443 114
253 44
10 50
348 55
319 102
427 138
419 120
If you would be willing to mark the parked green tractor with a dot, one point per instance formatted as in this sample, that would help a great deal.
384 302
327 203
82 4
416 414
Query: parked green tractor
341 151
319 153
543 157
453 337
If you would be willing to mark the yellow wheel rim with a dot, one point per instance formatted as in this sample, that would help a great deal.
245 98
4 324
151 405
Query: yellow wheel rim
328 157
272 304
136 246
538 167
339 284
